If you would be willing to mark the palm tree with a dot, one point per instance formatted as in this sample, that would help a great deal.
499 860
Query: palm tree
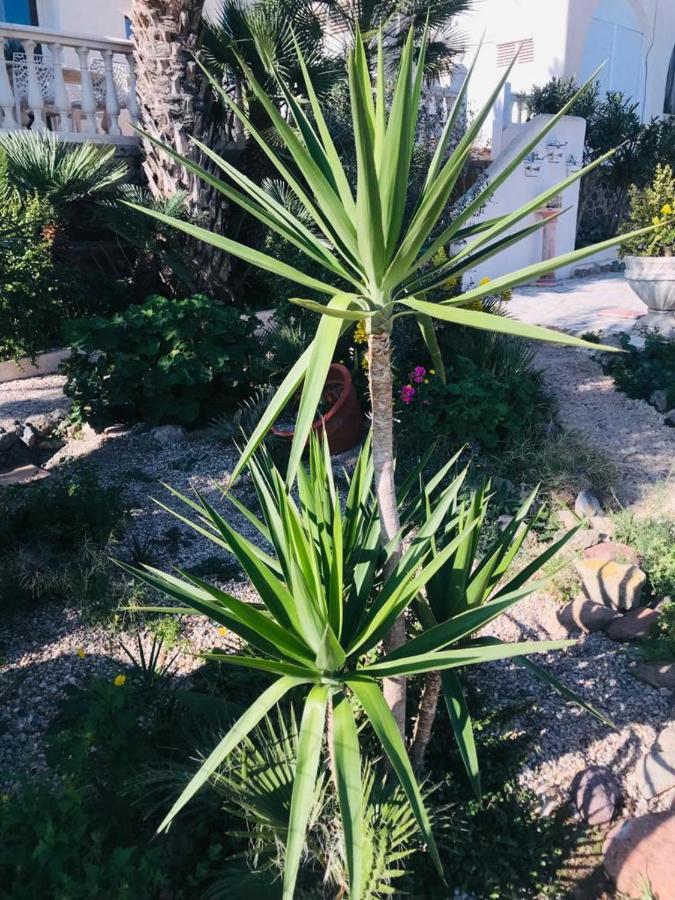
176 104
365 243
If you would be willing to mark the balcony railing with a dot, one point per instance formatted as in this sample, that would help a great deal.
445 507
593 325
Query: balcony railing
78 86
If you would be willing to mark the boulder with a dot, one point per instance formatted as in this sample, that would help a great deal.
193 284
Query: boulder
657 674
7 439
584 615
659 400
46 423
618 585
567 519
28 436
587 505
669 419
639 852
168 434
612 551
596 794
634 626
656 772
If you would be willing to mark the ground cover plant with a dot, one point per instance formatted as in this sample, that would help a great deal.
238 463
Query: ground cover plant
641 372
162 361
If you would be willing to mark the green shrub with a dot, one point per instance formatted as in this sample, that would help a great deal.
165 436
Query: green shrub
653 205
654 541
37 292
638 373
163 361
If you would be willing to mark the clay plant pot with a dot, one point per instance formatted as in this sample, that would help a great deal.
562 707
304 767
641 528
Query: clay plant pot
343 420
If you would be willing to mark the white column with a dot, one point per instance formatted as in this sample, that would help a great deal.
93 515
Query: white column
6 94
35 98
132 102
88 98
61 100
112 106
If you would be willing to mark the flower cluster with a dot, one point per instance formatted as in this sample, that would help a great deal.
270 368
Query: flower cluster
418 376
360 333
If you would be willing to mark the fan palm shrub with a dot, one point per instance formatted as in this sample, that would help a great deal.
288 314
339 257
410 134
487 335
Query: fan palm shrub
329 592
377 264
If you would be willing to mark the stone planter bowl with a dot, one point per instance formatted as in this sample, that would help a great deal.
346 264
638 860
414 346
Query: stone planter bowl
653 280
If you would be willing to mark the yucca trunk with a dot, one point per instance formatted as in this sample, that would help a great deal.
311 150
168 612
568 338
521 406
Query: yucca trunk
175 103
424 723
381 401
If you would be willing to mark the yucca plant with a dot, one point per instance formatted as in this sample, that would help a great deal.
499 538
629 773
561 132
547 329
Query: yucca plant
378 263
329 592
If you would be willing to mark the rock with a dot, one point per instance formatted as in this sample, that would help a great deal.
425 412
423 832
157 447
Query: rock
615 584
612 551
585 537
7 440
596 794
638 341
603 525
659 400
634 626
587 505
504 521
639 852
46 423
168 434
669 419
51 444
657 674
656 772
114 430
567 519
28 436
584 615
22 475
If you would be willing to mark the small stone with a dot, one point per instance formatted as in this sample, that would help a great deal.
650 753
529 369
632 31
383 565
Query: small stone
587 505
604 526
615 584
7 440
168 434
634 626
504 521
596 794
22 475
584 615
659 400
658 675
639 852
669 418
28 436
656 772
612 551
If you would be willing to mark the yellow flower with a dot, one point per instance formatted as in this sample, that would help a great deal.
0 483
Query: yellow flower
360 333
432 371
223 632
656 220
484 281
667 210
81 653
426 381
119 680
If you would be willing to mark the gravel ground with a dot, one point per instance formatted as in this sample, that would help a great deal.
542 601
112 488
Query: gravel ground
39 649
30 397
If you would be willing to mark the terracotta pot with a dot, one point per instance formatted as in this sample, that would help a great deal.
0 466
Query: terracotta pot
344 420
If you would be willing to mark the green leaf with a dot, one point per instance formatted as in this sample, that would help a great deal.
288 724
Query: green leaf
330 656
234 736
347 761
310 740
460 720
428 329
348 315
370 697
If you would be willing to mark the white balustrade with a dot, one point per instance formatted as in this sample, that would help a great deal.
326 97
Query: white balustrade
79 86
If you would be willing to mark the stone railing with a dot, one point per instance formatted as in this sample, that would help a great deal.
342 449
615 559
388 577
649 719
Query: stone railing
78 86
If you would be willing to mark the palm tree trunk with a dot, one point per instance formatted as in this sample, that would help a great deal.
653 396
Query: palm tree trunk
175 103
381 400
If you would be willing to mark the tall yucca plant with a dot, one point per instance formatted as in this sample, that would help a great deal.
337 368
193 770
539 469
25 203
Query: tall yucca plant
326 602
378 266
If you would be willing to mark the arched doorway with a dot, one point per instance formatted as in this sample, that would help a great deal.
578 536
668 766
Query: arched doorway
616 35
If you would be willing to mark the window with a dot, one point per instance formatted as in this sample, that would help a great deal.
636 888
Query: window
19 12
128 30
669 101
506 52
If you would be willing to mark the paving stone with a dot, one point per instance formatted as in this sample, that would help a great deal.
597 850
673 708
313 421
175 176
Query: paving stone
656 772
636 625
637 852
22 475
596 794
615 584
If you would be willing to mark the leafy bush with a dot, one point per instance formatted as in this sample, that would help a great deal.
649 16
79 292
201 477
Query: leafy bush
661 644
653 205
37 292
162 361
638 373
51 539
654 542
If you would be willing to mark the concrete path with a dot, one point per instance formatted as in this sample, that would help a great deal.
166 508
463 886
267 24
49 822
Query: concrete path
605 303
629 431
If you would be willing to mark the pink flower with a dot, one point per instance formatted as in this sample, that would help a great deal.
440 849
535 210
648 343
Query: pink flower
418 374
408 393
